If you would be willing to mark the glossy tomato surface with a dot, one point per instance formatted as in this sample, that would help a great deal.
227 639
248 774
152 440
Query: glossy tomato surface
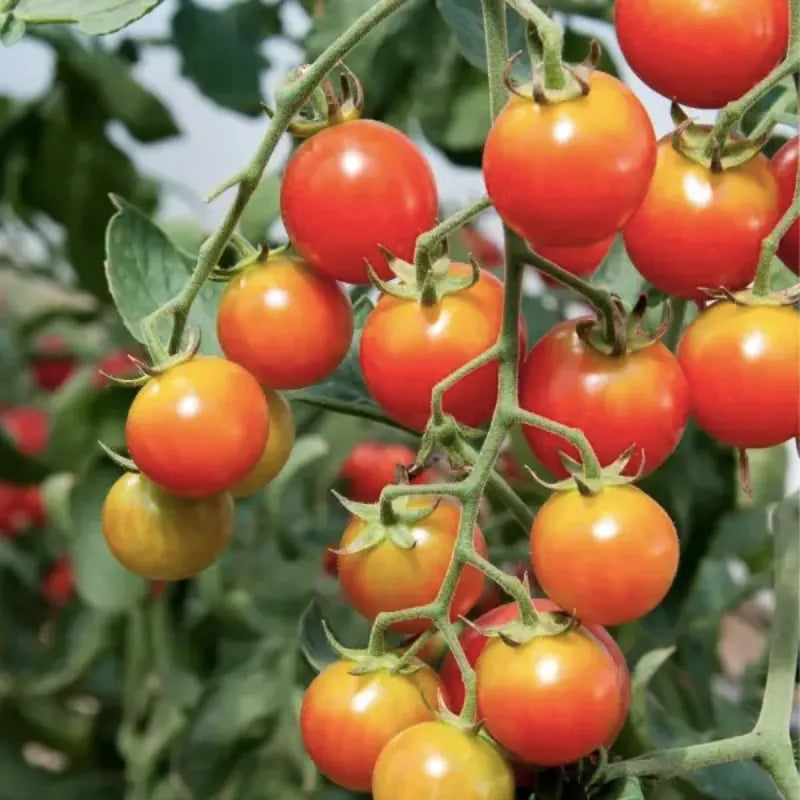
784 167
703 54
638 399
199 428
160 536
278 449
744 382
351 188
580 261
698 229
285 323
387 577
437 760
346 720
552 700
609 558
407 348
370 466
475 642
572 173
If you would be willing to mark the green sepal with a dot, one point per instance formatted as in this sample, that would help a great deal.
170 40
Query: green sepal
366 511
691 141
517 633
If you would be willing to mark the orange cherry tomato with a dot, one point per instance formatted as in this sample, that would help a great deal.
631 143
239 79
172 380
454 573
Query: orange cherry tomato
285 323
371 465
387 577
347 720
580 261
741 363
698 229
199 428
784 167
572 173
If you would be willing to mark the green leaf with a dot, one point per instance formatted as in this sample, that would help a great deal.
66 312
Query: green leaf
643 673
313 639
145 270
618 275
11 29
623 789
221 50
90 16
17 467
18 562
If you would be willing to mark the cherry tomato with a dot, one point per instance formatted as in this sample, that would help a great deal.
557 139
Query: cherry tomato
161 536
741 365
116 364
53 363
638 399
330 562
434 759
570 174
580 261
27 427
58 585
485 251
407 348
682 48
346 720
609 558
285 323
474 642
784 167
371 465
699 229
278 449
199 428
351 188
387 577
552 700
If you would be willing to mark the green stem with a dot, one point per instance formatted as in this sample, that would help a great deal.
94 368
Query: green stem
679 308
778 109
437 395
552 38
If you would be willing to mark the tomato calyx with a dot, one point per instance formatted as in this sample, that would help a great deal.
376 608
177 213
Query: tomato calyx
747 297
517 633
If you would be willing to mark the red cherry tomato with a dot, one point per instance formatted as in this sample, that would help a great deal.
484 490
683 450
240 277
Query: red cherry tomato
570 174
284 323
552 700
784 167
387 577
371 465
638 399
330 562
698 229
741 365
27 427
347 720
53 363
407 348
609 558
580 261
682 48
117 364
437 760
199 428
351 188
485 251
474 642
58 585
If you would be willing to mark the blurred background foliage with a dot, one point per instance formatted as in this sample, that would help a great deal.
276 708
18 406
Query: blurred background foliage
194 691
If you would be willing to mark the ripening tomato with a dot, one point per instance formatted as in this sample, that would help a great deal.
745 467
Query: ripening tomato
683 48
346 720
161 536
58 586
569 174
52 363
639 399
276 453
741 363
386 577
784 167
434 759
116 364
699 229
371 465
609 558
580 261
351 188
285 323
199 428
474 642
407 348
552 700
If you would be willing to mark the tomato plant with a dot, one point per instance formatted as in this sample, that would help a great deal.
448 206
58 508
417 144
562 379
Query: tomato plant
370 466
784 167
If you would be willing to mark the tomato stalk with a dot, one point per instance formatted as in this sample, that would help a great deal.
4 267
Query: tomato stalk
552 38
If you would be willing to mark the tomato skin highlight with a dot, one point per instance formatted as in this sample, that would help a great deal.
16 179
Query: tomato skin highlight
609 558
286 324
407 348
352 187
784 167
388 578
434 759
683 48
371 465
580 261
741 365
640 399
572 173
552 700
199 428
346 720
161 536
698 229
